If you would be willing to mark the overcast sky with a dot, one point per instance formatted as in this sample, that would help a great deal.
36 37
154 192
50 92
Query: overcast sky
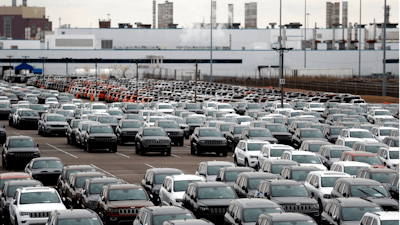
86 13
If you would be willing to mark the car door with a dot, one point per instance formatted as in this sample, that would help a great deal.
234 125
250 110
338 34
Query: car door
13 206
239 152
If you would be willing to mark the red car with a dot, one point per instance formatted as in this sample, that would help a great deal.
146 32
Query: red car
365 157
4 177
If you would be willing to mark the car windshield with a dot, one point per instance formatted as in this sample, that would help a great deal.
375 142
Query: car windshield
69 172
372 160
30 113
47 164
69 107
244 119
306 159
255 146
56 118
165 107
238 130
224 127
299 175
328 181
154 119
192 106
131 124
216 193
336 131
101 130
99 107
87 112
254 106
373 149
254 182
349 143
336 153
289 191
210 133
127 194
96 188
39 197
65 113
377 191
80 221
315 147
260 133
22 143
154 132
115 112
134 117
311 134
231 176
277 152
389 222
383 177
353 170
108 120
277 169
159 220
360 134
85 126
251 215
178 120
75 124
301 125
168 125
134 106
213 170
276 128
356 213
308 222
316 106
224 107
194 120
5 106
159 178
394 154
182 185
382 113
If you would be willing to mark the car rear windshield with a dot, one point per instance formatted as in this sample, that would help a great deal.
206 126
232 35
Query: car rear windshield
101 130
159 220
353 170
349 143
115 112
244 119
328 181
277 152
373 149
311 134
22 143
56 118
3 181
192 106
360 134
289 191
336 153
277 169
383 177
372 160
131 124
260 133
134 106
276 128
159 178
394 154
356 213
127 194
382 113
308 222
182 185
210 133
255 146
389 222
5 106
216 193
238 130
251 215
168 125
254 182
99 107
96 188
154 132
194 120
108 120
315 147
213 170
69 107
306 159
336 131
39 198
225 127
80 221
300 175
47 164
69 172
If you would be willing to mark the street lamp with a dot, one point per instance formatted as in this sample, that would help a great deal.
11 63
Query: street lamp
66 60
281 52
96 60
211 47
44 59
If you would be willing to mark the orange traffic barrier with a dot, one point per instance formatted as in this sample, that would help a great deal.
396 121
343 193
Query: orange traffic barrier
77 96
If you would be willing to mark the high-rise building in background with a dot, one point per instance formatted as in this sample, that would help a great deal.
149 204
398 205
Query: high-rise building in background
336 14
345 13
165 14
329 14
250 12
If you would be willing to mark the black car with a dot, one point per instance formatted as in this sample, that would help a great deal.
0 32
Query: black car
158 215
292 195
247 211
275 166
228 175
91 191
72 129
38 108
285 218
153 180
233 136
174 132
393 187
303 134
193 123
255 133
331 153
127 130
100 137
132 108
19 150
3 134
279 132
367 189
67 171
45 169
108 120
246 184
152 139
7 196
208 199
5 109
346 211
332 133
26 118
297 173
74 216
381 175
208 139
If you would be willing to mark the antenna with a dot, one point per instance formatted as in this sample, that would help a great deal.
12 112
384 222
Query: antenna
108 16
59 21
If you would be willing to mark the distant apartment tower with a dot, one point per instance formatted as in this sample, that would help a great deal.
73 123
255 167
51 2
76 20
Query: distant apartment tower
165 14
250 15
329 13
345 13
230 15
332 14
336 14
214 13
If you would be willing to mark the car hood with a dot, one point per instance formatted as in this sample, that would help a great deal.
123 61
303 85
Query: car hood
131 203
383 201
326 190
130 129
270 139
57 123
173 130
48 207
282 133
316 139
93 198
179 195
319 166
369 140
211 177
103 135
155 137
212 139
47 171
23 149
291 200
215 202
350 223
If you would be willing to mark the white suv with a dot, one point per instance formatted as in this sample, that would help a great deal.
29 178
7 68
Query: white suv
349 167
272 151
304 158
173 188
33 205
247 151
389 157
380 218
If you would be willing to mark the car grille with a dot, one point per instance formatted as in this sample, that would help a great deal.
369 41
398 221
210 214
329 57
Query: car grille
221 210
57 125
39 214
283 137
173 133
30 120
214 142
103 139
131 133
158 142
128 211
296 208
24 154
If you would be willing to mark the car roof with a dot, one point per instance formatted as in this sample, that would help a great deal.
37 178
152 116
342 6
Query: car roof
167 210
71 167
166 170
123 186
386 215
302 153
20 137
190 221
23 182
211 184
352 163
255 203
37 189
353 201
75 214
277 217
285 182
103 179
338 147
46 158
237 169
303 168
282 161
186 177
259 175
360 153
330 174
91 173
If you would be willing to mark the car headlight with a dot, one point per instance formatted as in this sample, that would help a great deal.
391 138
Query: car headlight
316 206
92 138
254 157
202 142
113 138
23 213
10 153
327 196
36 154
157 192
178 200
203 208
112 210
124 132
224 142
169 133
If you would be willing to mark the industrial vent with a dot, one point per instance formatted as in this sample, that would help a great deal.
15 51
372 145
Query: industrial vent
106 44
74 42
319 36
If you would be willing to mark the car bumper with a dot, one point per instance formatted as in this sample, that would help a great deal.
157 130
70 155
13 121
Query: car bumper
32 221
56 130
156 148
102 144
211 148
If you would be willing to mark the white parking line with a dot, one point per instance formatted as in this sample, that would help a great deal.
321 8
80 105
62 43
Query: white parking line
62 150
107 172
17 134
175 156
187 146
149 165
123 155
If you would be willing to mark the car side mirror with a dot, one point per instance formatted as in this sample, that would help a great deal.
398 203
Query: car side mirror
63 199
266 195
148 182
37 145
345 195
316 185
103 199
218 179
15 201
335 218
243 188
237 220
168 189
201 174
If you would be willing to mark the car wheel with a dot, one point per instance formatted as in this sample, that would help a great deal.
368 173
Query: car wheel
187 137
136 148
38 131
68 140
235 161
246 163
320 206
181 143
198 152
168 152
3 163
225 153
44 134
142 150
114 149
6 165
192 150
233 148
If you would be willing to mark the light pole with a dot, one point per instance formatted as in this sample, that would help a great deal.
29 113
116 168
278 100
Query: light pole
305 34
96 60
137 79
359 47
280 42
67 60
211 47
44 59
384 54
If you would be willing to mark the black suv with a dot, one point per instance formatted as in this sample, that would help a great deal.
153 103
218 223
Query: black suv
174 132
380 175
303 134
279 131
91 190
45 169
193 107
26 118
233 136
158 215
292 195
193 123
108 120
367 189
72 129
342 211
74 216
258 133
297 173
19 149
5 109
132 108
228 175
100 136
242 211
153 180
246 184
332 133
208 199
275 166
208 139
127 130
66 172
152 139
285 218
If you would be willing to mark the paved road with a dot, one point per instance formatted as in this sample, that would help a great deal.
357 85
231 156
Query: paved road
124 164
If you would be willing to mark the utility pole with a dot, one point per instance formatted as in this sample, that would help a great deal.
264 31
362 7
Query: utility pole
137 79
66 61
195 91
280 41
359 47
282 80
95 95
305 34
211 48
384 54
25 57
44 59
9 57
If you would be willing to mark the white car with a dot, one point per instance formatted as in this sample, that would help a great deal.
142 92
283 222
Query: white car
151 120
272 151
380 218
164 108
247 151
381 132
69 107
304 158
77 102
277 105
320 184
98 107
244 120
349 167
361 135
389 157
224 107
374 114
145 113
314 107
33 205
174 187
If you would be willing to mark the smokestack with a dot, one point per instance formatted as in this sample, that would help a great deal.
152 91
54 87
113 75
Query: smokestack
214 12
154 13
356 32
14 2
345 10
314 44
336 14
374 30
349 36
25 2
230 15
387 14
334 38
366 34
